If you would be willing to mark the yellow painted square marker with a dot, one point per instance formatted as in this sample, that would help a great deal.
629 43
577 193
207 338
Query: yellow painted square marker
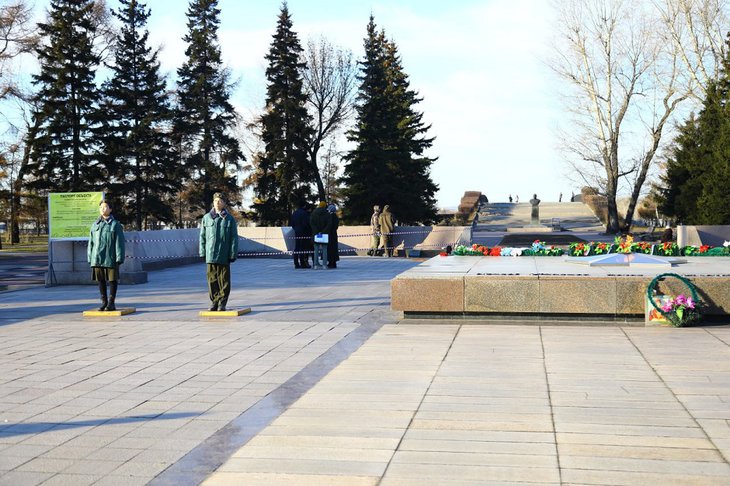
225 313
115 313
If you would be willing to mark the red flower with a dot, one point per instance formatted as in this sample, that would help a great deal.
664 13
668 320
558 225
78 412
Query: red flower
704 248
443 253
496 251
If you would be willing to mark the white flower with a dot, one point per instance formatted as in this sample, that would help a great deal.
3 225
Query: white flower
726 244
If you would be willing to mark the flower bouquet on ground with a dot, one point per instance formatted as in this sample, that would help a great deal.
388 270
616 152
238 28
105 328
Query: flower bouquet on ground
706 250
666 249
625 244
579 249
681 311
600 248
473 250
589 249
539 248
643 247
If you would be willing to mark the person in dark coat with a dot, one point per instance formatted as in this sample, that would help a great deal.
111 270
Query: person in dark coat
105 253
333 255
299 222
667 235
320 222
219 246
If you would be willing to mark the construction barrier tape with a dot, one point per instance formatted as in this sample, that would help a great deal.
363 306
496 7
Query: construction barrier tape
281 252
136 240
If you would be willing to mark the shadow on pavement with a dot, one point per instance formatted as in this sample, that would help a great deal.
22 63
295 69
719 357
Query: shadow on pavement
27 428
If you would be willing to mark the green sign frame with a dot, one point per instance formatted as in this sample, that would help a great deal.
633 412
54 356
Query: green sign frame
71 214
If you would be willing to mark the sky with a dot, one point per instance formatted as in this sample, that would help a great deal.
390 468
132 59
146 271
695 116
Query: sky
479 66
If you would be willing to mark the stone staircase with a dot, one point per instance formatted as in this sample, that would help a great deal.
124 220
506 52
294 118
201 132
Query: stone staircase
571 216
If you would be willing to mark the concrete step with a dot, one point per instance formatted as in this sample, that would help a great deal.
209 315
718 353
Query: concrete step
502 216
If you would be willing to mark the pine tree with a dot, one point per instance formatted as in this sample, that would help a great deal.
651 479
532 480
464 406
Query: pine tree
713 170
677 192
416 200
204 117
696 183
387 165
63 152
136 117
285 174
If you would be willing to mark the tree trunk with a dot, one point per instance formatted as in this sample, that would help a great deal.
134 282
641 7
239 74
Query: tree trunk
18 182
14 223
636 191
317 176
75 143
138 196
612 223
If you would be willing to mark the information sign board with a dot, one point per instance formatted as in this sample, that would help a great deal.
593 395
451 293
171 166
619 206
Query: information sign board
71 214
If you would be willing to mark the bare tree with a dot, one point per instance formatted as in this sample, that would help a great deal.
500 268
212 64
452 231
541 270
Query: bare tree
18 35
330 167
105 30
697 30
626 81
329 82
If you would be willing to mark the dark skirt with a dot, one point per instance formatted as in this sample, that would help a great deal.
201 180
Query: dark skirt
105 274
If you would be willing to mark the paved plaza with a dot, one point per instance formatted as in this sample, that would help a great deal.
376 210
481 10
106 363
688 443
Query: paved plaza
323 384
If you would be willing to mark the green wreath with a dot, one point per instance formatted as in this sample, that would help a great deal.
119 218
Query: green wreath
691 316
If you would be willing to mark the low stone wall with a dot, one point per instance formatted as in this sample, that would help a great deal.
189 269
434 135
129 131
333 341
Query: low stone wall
714 235
153 250
544 286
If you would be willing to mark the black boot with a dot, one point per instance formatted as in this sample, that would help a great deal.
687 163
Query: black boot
102 291
222 305
113 296
213 307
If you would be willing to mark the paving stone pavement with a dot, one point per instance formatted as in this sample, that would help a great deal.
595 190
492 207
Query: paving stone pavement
466 404
323 384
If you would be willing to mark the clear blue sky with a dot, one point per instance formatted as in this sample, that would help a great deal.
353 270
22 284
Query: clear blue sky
478 64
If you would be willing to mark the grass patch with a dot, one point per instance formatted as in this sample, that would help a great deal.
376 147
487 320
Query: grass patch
28 244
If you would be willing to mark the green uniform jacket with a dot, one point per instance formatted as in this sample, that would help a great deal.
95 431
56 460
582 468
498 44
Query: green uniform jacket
387 224
320 221
218 238
106 243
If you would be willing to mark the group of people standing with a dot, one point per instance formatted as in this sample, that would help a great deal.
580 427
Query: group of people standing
382 225
218 245
315 235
